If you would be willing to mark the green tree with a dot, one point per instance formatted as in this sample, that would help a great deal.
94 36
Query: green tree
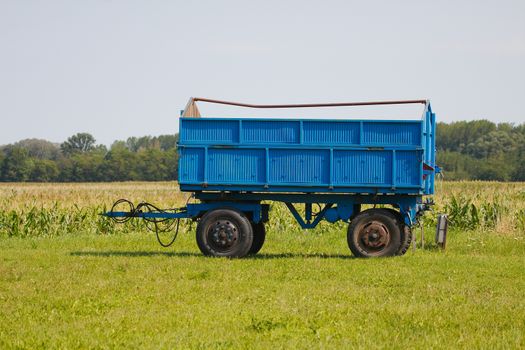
519 171
168 142
454 165
172 163
493 144
87 166
78 143
152 165
41 149
120 164
162 142
457 135
44 170
17 165
2 157
492 169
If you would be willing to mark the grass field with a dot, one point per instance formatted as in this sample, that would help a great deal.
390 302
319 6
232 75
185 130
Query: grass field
70 279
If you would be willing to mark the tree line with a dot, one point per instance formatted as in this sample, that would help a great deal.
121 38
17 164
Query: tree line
80 159
481 150
467 150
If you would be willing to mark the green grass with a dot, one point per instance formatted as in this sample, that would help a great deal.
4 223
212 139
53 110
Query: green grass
304 290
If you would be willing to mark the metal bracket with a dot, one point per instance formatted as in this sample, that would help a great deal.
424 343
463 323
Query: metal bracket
306 224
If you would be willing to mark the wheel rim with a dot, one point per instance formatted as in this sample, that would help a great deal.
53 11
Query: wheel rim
223 235
373 237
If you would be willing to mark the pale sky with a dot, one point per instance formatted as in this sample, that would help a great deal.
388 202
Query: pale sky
126 68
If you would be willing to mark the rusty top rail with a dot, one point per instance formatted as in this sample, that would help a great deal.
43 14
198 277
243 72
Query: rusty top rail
191 109
305 105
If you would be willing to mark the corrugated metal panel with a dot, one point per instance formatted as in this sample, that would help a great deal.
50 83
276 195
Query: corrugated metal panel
362 167
407 168
191 165
391 133
261 131
236 165
203 130
299 166
318 132
429 156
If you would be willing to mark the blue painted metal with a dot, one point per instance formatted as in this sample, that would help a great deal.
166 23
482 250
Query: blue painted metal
258 212
307 222
155 215
348 156
341 163
331 215
408 205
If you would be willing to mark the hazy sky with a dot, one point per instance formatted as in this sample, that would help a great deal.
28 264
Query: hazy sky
125 68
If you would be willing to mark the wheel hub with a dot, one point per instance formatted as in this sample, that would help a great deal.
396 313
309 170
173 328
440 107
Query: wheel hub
375 235
223 234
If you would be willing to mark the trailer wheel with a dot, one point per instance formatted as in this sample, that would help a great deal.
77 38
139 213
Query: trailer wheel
406 239
224 232
374 233
259 235
404 229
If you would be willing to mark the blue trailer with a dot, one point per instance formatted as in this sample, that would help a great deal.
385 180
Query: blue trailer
234 166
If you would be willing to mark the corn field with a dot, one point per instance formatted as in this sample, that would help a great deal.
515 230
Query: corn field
59 209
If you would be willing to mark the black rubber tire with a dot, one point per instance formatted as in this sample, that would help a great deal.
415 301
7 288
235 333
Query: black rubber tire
406 232
236 221
406 239
259 235
381 219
